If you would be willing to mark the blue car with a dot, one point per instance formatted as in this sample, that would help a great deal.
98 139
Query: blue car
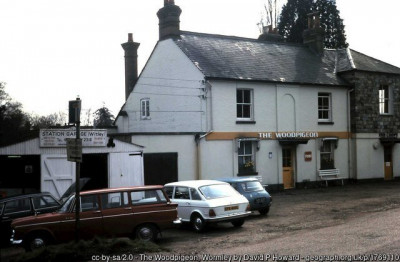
251 188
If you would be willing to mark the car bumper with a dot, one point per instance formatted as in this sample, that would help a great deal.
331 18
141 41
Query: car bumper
177 222
227 218
15 242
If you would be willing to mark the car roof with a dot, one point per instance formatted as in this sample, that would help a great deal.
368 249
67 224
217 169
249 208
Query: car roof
195 183
112 190
16 197
238 179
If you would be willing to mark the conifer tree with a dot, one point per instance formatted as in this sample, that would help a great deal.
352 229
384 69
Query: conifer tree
293 21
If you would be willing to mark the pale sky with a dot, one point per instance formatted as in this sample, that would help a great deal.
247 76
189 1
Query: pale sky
54 50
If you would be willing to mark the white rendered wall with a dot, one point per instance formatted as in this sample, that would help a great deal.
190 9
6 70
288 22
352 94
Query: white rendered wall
174 86
184 145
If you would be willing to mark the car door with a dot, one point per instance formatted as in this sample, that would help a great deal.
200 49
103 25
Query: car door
117 214
182 198
90 220
151 206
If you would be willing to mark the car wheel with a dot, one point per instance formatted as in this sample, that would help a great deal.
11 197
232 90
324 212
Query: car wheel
238 222
198 223
146 233
36 241
264 211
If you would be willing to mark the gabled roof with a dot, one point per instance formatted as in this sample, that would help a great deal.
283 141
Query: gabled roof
362 62
237 58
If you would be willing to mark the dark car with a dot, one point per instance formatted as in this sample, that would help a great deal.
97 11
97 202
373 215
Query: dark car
22 206
250 187
137 212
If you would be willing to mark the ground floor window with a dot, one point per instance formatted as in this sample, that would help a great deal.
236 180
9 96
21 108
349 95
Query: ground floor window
246 158
327 154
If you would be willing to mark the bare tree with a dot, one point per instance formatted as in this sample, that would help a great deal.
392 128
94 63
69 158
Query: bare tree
270 14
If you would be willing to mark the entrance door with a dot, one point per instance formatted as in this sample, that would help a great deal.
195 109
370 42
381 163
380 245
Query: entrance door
287 167
388 162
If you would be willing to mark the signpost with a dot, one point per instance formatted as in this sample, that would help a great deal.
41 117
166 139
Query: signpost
74 153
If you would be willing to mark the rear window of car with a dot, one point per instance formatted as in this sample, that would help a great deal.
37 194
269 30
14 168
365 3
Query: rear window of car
18 205
217 191
40 202
251 186
145 197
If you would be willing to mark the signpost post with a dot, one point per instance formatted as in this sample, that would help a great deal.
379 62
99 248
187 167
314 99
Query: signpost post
75 155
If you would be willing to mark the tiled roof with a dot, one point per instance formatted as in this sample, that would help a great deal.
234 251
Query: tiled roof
236 58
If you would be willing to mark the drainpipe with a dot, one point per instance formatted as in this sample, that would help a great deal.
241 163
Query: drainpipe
349 145
277 130
197 139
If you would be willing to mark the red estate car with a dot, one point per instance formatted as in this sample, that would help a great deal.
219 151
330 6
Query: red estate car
140 212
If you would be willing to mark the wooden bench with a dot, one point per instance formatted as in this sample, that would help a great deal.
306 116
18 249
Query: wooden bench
330 174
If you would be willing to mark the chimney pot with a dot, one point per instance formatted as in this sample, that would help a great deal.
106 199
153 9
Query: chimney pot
130 37
169 23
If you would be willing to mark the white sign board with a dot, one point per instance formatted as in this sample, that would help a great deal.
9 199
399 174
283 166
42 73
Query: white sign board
57 137
74 150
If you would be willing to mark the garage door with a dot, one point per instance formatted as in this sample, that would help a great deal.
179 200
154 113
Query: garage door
126 169
57 174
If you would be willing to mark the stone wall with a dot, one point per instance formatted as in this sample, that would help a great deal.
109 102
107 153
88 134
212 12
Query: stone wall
365 116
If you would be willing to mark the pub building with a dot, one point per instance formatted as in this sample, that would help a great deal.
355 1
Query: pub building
209 106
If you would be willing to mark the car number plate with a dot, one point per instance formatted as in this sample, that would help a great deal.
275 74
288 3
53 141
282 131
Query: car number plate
261 200
231 208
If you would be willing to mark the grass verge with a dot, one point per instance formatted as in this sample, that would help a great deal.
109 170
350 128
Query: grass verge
85 250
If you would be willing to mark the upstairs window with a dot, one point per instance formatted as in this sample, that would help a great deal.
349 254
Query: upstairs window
244 104
324 107
145 108
384 100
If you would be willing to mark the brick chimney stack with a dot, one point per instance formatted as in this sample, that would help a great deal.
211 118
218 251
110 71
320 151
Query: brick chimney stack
313 36
169 22
131 64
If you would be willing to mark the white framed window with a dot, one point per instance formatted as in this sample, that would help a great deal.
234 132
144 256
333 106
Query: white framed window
145 108
324 107
327 154
385 100
244 104
246 158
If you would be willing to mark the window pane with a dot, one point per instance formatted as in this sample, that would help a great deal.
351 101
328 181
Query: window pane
195 195
246 111
114 200
239 111
169 191
89 203
239 96
246 96
182 193
20 205
43 202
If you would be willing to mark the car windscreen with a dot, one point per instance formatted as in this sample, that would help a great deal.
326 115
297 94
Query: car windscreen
217 191
251 186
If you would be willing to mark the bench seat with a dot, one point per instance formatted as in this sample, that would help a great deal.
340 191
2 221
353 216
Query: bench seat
330 174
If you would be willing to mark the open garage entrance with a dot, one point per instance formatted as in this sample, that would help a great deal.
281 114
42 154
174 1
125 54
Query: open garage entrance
160 168
95 167
19 174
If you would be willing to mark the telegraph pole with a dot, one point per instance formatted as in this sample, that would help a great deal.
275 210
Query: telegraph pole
74 152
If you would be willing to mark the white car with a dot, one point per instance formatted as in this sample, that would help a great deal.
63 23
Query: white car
208 201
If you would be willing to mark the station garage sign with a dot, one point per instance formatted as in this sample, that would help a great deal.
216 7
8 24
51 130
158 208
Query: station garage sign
58 137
